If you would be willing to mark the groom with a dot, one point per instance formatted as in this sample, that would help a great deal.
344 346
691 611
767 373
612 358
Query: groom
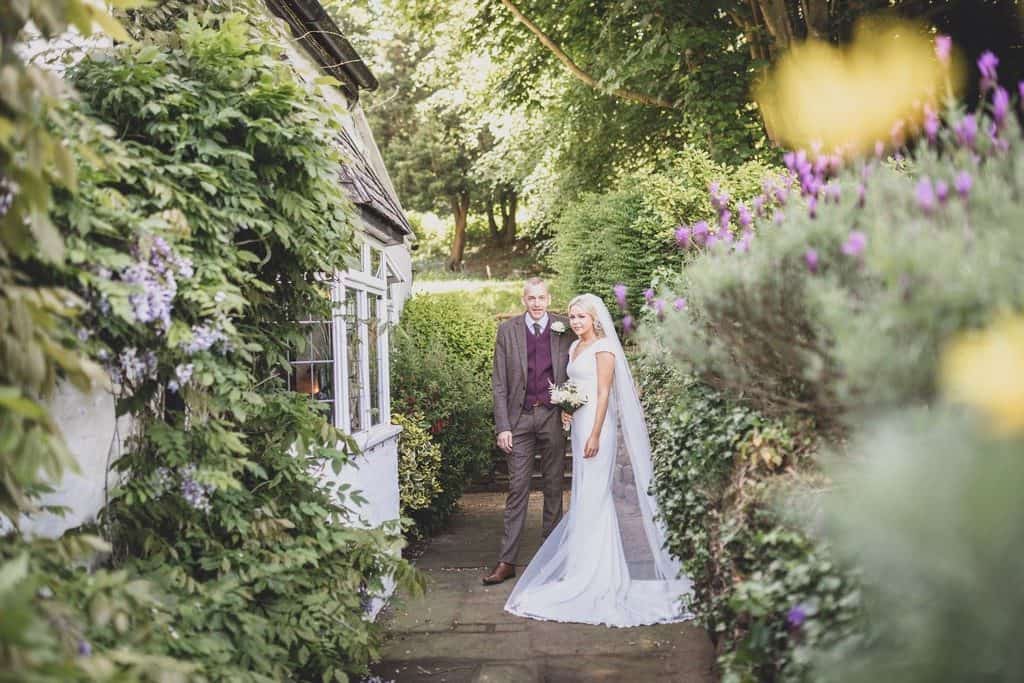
530 353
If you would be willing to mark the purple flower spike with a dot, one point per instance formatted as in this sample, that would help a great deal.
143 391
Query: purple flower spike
620 295
659 308
679 304
931 124
648 295
879 149
724 219
925 193
628 324
796 616
725 235
855 243
862 194
760 200
942 190
811 259
943 48
987 64
1020 91
781 195
1000 106
683 237
812 207
743 246
962 183
744 219
700 232
84 648
967 131
833 192
778 217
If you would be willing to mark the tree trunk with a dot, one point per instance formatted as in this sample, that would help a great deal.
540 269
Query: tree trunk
816 18
460 211
508 217
496 236
776 20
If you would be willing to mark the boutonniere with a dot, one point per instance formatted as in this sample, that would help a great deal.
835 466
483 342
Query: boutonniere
558 327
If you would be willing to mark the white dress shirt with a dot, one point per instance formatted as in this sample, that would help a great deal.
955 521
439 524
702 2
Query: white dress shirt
530 322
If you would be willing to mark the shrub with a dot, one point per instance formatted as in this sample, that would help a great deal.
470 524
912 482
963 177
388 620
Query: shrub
718 470
441 368
419 462
627 233
892 277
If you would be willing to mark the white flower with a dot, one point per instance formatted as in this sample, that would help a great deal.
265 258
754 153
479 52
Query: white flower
558 327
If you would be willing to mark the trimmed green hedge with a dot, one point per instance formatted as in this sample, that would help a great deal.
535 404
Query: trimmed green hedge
441 369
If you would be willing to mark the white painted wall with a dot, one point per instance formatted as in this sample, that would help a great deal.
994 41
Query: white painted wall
95 438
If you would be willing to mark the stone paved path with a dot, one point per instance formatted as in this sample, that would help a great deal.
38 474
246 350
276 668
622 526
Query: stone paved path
458 632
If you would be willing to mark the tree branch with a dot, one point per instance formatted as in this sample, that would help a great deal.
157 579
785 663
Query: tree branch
575 70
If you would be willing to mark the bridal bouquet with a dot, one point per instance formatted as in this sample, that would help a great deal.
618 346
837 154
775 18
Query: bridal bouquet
568 397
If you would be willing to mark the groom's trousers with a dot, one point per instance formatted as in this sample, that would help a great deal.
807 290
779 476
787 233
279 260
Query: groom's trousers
538 430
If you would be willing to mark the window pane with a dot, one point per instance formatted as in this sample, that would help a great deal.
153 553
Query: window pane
376 258
372 328
352 362
313 367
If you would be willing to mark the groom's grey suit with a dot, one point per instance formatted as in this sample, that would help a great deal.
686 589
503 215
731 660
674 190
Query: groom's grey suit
535 428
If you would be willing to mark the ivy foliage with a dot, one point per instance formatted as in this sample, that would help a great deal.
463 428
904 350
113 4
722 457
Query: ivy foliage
719 471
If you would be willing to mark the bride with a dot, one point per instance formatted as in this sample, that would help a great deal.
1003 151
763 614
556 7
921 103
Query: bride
605 562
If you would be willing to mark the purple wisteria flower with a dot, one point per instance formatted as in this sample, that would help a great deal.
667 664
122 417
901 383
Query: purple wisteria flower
1000 106
925 194
967 131
679 304
683 237
942 190
204 337
628 325
987 64
619 291
811 259
700 232
931 124
648 295
943 47
855 243
182 375
796 616
196 494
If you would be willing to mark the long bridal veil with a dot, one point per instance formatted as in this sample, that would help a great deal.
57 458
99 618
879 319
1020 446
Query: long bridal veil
644 584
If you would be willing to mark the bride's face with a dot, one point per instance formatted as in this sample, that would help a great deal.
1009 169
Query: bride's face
581 322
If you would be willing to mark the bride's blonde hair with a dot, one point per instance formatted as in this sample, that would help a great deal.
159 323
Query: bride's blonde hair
586 302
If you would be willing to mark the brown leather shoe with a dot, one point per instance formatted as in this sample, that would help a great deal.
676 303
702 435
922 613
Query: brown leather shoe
503 572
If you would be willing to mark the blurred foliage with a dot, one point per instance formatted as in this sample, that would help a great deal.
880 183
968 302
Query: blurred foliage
441 369
929 509
861 329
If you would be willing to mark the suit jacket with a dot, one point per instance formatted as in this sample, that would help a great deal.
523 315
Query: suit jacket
508 379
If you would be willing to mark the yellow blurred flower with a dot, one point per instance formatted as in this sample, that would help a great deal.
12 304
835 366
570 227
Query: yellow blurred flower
848 98
986 370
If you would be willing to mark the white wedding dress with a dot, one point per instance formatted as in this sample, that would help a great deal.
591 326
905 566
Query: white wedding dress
605 562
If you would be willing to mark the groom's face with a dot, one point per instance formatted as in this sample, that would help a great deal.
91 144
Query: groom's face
536 299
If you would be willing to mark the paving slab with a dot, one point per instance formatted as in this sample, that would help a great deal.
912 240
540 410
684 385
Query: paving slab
458 632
